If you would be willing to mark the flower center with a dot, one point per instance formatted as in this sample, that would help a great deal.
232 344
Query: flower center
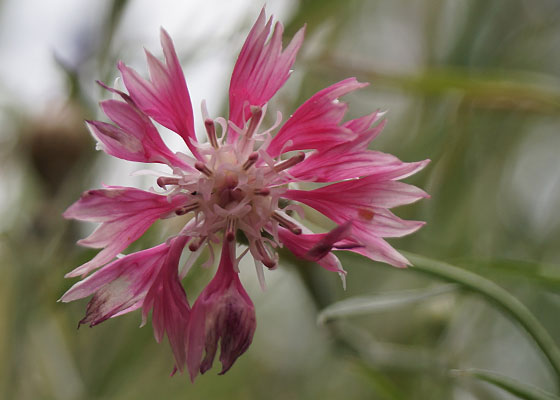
237 186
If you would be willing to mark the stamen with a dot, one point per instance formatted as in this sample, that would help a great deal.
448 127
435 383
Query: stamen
203 168
163 181
195 245
255 120
186 209
286 223
290 162
265 258
262 192
211 132
231 228
251 160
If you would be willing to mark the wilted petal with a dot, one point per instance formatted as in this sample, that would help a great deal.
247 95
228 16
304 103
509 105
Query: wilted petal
125 214
223 312
316 124
261 69
165 96
119 287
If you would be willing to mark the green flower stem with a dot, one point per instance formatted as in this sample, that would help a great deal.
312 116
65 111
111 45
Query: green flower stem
496 295
513 386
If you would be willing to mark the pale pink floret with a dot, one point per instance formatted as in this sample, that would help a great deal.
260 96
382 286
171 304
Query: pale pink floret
134 138
246 180
316 124
168 301
223 312
365 202
315 247
261 69
124 213
121 286
165 96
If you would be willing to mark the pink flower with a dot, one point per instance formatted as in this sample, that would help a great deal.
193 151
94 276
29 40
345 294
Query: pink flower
244 182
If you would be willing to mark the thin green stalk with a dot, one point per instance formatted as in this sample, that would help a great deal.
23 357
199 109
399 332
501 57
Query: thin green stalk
513 386
498 296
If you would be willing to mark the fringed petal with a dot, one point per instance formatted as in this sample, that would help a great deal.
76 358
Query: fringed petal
119 287
316 124
125 214
134 138
168 301
165 96
261 69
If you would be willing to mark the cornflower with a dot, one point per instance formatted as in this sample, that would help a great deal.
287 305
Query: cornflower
243 184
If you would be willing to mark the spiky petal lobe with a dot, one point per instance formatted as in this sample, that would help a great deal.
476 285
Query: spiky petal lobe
262 67
124 215
121 286
316 124
165 96
168 301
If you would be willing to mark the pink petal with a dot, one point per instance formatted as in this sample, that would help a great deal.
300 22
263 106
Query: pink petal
125 214
376 248
165 96
261 69
337 164
134 138
358 193
119 287
301 245
168 301
316 124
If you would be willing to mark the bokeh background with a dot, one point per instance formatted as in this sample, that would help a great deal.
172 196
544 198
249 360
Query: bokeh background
473 85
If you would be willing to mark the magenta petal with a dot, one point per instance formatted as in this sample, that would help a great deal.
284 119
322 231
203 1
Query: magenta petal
168 301
316 124
358 193
338 163
377 249
223 312
125 214
134 138
119 287
301 245
261 69
165 96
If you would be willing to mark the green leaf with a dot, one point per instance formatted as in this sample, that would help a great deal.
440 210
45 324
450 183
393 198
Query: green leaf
513 386
380 302
507 303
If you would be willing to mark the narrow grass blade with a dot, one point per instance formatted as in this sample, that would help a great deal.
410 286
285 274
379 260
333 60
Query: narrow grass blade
380 302
519 389
507 303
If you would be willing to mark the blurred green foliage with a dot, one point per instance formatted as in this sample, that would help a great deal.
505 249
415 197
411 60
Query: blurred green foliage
472 85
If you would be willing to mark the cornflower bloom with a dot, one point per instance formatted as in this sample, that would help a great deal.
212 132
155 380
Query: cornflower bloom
242 183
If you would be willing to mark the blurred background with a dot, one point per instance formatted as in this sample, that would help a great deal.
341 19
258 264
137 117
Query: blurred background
473 85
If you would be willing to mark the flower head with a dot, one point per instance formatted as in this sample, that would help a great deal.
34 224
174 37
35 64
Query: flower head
243 182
